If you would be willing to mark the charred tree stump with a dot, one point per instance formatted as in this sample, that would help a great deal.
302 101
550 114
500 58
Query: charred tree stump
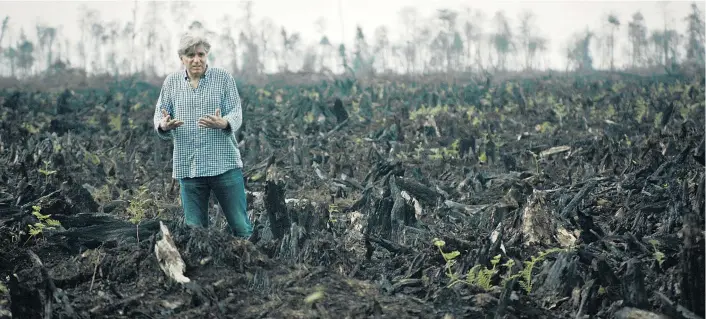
312 216
302 241
419 190
289 249
692 259
33 293
388 216
276 209
339 111
401 214
26 301
379 222
633 285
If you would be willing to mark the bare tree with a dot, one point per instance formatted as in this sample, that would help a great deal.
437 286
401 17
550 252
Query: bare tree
3 30
228 39
409 17
382 47
613 25
448 38
110 43
326 52
151 25
695 35
579 52
502 40
309 59
10 53
531 43
86 22
289 45
473 32
251 60
362 59
45 36
637 35
445 40
25 54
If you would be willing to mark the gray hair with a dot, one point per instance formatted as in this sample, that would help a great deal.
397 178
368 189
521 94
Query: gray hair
189 42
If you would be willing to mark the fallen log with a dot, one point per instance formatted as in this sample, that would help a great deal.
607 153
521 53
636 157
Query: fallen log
93 230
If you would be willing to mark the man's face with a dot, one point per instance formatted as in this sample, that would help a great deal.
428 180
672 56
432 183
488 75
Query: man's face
195 61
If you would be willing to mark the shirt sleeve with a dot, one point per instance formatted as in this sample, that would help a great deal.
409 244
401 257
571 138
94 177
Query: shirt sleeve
231 109
164 101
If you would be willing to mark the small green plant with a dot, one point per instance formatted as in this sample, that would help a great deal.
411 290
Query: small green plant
333 208
445 152
627 140
115 122
658 255
92 157
641 109
482 157
601 290
544 127
137 208
482 276
138 205
46 172
525 274
45 222
450 259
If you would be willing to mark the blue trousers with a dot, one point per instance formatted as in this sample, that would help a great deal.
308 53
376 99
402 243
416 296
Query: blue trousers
229 190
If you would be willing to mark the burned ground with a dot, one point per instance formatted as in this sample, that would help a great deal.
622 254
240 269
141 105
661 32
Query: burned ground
547 198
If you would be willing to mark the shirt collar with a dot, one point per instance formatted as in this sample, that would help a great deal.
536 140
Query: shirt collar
203 76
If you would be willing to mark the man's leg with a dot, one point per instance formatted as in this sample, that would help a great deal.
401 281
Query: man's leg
229 189
194 199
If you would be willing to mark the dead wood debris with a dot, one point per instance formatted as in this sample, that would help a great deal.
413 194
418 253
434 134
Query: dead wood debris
589 215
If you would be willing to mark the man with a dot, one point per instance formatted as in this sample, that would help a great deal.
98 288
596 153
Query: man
199 110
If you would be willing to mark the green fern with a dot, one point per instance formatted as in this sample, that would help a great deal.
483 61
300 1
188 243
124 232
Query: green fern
526 273
45 222
450 260
482 276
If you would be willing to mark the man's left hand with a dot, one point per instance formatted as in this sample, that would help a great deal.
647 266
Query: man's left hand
214 121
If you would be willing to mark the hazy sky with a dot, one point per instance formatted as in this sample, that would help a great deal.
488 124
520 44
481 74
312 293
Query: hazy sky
556 20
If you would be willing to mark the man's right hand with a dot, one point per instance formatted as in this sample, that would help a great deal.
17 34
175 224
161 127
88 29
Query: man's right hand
167 123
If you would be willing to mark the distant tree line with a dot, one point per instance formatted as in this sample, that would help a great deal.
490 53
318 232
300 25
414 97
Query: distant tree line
448 41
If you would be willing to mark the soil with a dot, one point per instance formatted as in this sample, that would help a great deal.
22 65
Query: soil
559 197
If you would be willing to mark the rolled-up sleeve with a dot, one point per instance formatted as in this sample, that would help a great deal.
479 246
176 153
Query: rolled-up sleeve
231 109
164 101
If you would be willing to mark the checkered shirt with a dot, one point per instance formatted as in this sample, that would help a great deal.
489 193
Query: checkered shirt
201 151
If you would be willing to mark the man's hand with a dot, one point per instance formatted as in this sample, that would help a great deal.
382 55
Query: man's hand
214 121
167 123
